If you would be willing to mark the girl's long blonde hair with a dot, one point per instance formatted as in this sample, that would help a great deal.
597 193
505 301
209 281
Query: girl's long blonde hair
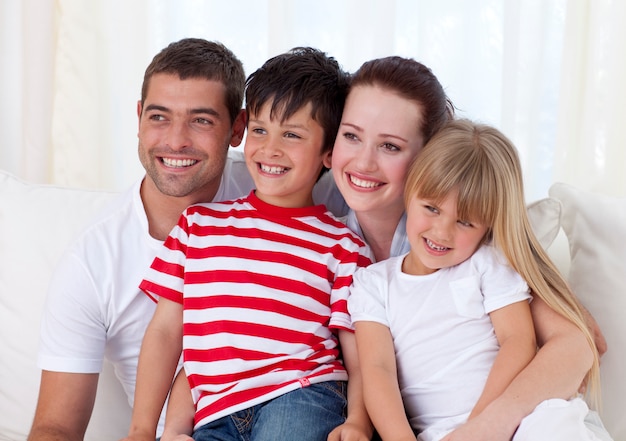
482 165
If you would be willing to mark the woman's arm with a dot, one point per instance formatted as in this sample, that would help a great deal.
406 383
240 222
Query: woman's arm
380 381
563 360
158 359
513 325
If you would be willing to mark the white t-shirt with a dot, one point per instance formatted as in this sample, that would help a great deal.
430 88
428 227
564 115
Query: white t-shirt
94 307
443 337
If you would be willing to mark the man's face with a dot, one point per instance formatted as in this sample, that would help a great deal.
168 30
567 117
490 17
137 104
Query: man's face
184 134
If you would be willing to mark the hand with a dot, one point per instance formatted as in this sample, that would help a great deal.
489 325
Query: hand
348 432
176 438
480 429
136 437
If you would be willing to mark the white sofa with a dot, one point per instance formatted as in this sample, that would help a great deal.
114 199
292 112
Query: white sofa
37 222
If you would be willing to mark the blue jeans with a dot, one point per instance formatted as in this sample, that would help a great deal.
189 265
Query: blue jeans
307 414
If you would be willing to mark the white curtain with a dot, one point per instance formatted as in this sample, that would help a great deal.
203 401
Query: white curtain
549 73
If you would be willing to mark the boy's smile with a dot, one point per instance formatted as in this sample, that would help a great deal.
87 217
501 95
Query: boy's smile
285 157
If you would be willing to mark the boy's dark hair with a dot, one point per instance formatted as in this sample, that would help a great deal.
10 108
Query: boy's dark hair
199 58
292 80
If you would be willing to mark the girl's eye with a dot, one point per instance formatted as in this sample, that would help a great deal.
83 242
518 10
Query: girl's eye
431 209
465 223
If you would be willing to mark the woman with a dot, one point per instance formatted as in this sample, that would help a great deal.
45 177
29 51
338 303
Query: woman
393 108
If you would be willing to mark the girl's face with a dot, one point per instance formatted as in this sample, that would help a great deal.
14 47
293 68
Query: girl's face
438 238
378 138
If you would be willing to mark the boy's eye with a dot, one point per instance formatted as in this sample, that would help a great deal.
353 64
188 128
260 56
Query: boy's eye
292 135
258 130
431 208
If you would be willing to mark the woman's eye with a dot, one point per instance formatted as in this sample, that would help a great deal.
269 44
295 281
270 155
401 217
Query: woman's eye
350 136
391 147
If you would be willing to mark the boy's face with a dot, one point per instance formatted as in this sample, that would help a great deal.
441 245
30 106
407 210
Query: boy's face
285 158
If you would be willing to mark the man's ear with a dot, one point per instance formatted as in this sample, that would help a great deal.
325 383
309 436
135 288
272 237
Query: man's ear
139 110
327 160
239 128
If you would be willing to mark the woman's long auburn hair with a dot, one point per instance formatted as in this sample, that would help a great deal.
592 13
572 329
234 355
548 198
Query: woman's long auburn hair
481 165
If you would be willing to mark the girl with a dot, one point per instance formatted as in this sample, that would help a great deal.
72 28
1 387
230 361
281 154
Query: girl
394 106
444 329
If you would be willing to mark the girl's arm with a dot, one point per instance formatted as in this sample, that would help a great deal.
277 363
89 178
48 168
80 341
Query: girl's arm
358 425
513 325
158 358
563 360
180 411
380 381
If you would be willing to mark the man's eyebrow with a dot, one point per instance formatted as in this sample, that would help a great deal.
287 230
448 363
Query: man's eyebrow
151 107
196 111
207 110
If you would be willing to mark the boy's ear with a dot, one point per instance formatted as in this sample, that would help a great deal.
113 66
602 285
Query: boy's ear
239 128
327 159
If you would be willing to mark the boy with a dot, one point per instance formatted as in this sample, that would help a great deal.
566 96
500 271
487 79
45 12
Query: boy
253 291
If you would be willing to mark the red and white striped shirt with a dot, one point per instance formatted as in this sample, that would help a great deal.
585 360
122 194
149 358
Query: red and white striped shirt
263 290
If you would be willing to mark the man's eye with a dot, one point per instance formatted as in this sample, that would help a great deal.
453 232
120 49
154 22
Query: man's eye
156 117
204 121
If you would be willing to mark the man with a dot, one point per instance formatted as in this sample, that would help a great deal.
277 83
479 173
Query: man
189 113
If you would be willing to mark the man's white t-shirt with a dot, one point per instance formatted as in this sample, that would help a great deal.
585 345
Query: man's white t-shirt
94 309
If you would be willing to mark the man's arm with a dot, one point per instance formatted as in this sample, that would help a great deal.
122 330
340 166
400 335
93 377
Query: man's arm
64 407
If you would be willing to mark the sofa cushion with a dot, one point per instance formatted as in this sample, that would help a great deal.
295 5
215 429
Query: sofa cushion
595 226
37 223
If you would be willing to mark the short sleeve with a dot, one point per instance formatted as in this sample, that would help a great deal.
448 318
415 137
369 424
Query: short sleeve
369 296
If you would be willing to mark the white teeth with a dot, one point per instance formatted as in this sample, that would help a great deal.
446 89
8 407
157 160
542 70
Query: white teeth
178 162
273 169
363 183
435 247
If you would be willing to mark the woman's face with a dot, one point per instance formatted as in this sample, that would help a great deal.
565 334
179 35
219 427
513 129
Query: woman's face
378 138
